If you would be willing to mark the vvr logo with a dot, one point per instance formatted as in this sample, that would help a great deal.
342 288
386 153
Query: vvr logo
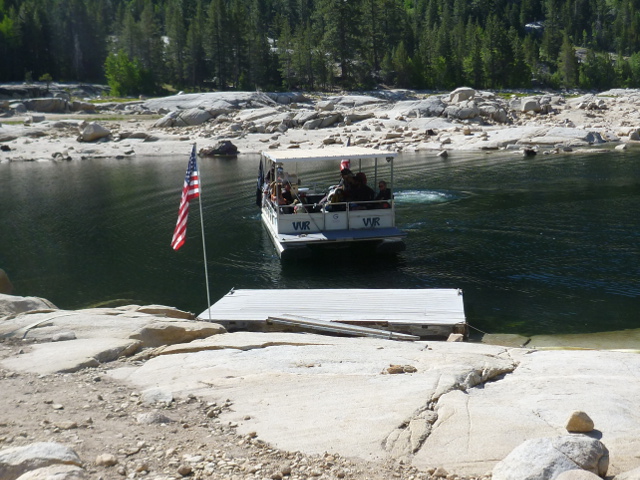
301 226
371 221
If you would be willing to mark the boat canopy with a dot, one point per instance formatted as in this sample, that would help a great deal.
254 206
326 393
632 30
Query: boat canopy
329 153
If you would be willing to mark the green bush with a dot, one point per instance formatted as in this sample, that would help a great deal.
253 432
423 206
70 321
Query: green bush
127 77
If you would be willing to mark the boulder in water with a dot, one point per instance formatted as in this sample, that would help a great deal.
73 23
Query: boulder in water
225 147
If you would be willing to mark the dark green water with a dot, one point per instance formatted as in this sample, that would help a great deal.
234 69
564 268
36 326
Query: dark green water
542 245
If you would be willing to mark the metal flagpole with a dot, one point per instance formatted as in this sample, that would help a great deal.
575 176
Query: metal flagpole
204 245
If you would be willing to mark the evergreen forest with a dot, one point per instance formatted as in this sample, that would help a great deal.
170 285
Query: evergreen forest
154 46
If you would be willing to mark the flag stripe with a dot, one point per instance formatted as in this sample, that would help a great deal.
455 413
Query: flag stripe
190 190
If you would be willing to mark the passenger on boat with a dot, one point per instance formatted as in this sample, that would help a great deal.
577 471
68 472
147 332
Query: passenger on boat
287 195
285 198
361 193
276 194
383 194
348 183
336 197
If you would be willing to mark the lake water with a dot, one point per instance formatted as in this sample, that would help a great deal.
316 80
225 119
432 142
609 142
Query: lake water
548 244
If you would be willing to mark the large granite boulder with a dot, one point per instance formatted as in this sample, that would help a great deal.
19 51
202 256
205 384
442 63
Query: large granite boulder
93 132
465 110
546 458
168 120
530 104
304 116
263 114
192 116
571 137
222 148
18 107
494 111
287 98
71 355
11 305
56 472
355 101
428 107
68 341
18 460
577 474
47 105
461 94
79 106
214 102
323 120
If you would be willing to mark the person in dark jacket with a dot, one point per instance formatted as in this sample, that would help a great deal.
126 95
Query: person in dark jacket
383 194
361 192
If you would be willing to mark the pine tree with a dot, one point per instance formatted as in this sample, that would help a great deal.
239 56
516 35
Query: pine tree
372 33
568 63
552 36
519 71
472 61
305 61
402 66
8 46
194 58
33 35
217 43
286 55
237 30
261 64
341 34
496 54
151 47
176 42
597 71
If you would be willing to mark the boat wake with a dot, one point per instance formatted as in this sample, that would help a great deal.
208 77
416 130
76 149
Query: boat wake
425 196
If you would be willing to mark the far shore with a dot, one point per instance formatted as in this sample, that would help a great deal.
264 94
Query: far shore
465 120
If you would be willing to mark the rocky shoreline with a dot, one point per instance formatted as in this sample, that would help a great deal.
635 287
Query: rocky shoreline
62 127
150 392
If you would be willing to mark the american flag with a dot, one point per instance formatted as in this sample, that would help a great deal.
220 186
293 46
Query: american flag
190 190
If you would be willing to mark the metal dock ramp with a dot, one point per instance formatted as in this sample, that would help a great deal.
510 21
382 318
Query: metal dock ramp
426 313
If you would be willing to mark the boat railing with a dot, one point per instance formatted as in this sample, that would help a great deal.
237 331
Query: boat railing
318 213
328 206
340 206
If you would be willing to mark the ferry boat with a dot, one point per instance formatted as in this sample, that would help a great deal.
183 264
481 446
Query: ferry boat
301 219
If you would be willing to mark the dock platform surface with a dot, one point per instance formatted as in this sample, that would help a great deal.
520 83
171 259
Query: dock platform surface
421 312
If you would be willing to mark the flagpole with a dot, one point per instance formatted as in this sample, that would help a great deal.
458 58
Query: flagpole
204 245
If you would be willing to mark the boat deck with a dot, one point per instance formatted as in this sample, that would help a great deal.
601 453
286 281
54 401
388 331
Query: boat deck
341 235
427 313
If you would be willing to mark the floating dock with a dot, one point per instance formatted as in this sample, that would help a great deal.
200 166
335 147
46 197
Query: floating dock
423 313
